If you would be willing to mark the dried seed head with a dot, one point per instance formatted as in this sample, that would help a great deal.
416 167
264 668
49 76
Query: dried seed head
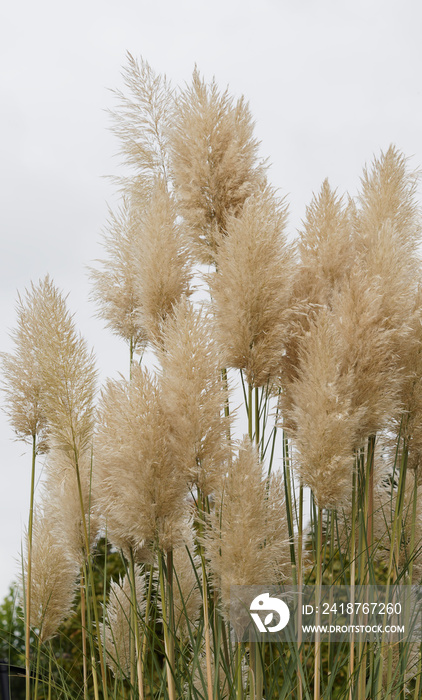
251 288
214 161
68 373
115 288
246 540
325 247
137 486
389 194
368 352
387 239
54 577
162 269
194 396
118 628
22 378
326 419
326 257
142 121
63 506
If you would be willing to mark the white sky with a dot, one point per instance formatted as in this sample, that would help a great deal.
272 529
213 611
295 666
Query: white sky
330 83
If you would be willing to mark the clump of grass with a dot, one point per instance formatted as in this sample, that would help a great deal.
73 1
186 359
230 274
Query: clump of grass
323 337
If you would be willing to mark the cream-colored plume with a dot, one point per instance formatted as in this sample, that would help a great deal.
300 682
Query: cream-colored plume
370 305
214 161
369 351
387 240
194 396
54 577
22 378
251 288
162 263
326 257
63 506
142 121
118 628
115 288
138 487
325 248
326 419
67 372
247 539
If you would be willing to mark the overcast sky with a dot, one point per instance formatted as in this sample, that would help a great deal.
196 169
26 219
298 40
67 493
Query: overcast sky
330 83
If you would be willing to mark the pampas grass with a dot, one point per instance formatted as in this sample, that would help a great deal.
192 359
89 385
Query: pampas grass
326 331
214 161
137 486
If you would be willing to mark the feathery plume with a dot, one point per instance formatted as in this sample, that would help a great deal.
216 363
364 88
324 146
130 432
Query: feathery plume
118 627
246 540
251 287
54 578
63 506
373 302
326 420
388 236
194 396
23 382
67 371
142 121
115 289
388 193
325 248
162 267
137 487
213 160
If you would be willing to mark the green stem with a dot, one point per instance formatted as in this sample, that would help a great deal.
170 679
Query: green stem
395 536
91 577
83 632
317 664
147 613
289 506
239 695
205 599
169 661
257 646
299 583
37 671
134 606
352 559
250 428
29 575
50 679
